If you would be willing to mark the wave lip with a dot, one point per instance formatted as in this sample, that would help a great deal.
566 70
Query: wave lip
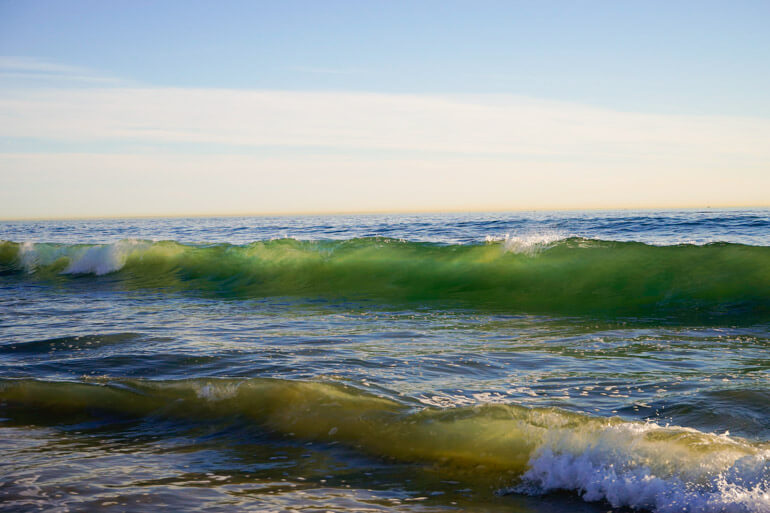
105 259
529 244
663 469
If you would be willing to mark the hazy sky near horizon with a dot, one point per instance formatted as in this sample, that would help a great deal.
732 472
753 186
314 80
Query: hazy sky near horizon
185 107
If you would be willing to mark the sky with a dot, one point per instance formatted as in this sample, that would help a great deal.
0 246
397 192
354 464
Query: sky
128 108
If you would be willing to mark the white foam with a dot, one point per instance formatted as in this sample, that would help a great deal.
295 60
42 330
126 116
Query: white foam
103 259
99 259
646 467
217 392
528 244
28 256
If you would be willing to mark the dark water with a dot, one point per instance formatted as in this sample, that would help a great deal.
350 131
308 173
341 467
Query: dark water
539 362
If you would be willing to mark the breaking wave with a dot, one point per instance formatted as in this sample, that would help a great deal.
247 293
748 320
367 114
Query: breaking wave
512 448
543 275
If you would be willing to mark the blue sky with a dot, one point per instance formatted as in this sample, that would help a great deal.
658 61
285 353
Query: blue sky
656 84
689 57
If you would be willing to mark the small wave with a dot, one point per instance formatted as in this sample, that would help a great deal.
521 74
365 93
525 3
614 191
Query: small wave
646 466
67 344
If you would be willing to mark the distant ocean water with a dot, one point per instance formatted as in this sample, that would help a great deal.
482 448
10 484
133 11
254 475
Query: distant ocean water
529 362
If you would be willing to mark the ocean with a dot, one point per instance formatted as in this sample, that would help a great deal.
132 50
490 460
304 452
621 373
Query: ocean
523 362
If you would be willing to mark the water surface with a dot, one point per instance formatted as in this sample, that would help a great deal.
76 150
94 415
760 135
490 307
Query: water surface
532 362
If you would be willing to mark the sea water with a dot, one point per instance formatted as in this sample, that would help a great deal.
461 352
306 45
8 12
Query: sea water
527 362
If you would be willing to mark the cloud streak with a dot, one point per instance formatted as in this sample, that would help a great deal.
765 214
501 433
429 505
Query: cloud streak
42 70
496 125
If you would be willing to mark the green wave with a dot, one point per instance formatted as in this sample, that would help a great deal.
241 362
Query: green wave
531 449
501 437
573 276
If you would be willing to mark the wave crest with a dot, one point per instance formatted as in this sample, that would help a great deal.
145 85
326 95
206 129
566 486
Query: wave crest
528 244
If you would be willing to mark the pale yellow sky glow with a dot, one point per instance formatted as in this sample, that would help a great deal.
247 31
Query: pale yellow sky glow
163 151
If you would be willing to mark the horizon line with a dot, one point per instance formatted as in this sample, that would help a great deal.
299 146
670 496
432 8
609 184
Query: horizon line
384 212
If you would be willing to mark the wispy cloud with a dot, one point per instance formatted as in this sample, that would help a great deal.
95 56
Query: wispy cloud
32 68
324 70
35 64
491 125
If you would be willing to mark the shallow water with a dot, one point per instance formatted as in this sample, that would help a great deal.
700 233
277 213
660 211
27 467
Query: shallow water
570 361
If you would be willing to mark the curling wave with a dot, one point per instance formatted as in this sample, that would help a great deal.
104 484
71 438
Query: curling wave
567 276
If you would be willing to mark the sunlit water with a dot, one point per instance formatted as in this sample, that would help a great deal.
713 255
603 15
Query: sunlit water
538 362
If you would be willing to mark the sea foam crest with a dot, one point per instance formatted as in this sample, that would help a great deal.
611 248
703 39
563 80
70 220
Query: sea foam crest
627 468
103 259
528 244
28 256
217 392
99 259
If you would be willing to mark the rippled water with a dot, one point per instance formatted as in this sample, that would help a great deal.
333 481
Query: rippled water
483 362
